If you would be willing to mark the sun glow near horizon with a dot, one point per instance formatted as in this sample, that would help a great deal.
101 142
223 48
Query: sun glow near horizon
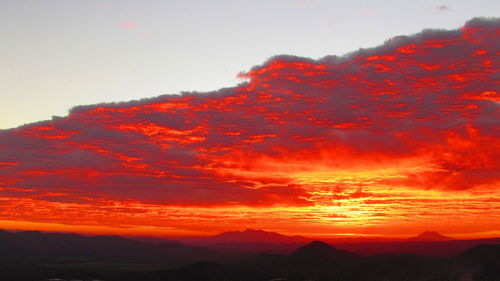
388 141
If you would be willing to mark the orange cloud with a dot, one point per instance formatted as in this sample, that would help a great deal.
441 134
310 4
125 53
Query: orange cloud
128 25
386 140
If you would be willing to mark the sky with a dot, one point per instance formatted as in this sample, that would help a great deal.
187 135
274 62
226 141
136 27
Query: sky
57 54
385 141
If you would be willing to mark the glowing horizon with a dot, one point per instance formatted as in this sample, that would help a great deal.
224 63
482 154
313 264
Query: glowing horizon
387 141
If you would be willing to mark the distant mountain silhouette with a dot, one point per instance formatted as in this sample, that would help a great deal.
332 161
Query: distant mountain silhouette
152 239
445 248
32 255
249 242
430 236
320 261
57 247
247 236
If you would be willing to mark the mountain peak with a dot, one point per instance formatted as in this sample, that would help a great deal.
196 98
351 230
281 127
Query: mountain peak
430 236
321 250
319 245
250 236
250 230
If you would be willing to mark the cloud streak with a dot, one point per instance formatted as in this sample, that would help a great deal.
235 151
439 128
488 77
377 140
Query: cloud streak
441 9
128 25
332 143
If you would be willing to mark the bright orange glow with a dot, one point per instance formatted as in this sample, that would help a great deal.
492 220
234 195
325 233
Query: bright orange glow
389 141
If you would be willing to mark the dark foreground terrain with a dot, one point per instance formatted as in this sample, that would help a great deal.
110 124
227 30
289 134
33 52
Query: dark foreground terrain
35 256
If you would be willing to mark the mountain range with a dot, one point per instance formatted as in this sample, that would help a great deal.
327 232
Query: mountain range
31 255
320 261
427 243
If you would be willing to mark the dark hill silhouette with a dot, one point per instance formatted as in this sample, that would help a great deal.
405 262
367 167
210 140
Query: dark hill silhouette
5 236
153 240
482 253
74 248
481 262
319 250
430 236
320 261
315 258
255 248
41 256
447 248
245 243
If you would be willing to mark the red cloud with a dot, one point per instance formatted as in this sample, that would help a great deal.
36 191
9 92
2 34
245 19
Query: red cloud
128 25
414 121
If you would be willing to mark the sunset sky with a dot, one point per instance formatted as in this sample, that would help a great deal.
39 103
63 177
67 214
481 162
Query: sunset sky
385 141
57 54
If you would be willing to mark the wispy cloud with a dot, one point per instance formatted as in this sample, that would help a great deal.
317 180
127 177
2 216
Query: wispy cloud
441 9
128 25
